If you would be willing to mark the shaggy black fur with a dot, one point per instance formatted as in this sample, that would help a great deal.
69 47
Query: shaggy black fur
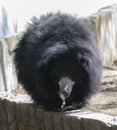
55 46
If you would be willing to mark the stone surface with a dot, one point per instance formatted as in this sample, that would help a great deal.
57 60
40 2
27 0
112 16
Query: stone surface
25 116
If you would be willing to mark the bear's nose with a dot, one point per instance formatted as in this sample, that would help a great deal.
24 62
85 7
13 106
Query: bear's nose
66 85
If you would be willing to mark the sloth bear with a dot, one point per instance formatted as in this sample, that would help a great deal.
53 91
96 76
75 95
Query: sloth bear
57 62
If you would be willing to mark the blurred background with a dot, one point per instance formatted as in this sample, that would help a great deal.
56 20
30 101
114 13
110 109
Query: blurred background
16 13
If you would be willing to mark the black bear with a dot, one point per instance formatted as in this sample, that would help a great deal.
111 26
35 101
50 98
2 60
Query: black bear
58 62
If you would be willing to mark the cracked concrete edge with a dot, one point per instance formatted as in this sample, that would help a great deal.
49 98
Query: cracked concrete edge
27 116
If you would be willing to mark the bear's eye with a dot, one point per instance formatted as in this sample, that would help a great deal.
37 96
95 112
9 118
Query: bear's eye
83 61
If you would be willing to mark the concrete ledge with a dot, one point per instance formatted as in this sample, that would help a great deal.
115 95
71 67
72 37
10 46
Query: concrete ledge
27 116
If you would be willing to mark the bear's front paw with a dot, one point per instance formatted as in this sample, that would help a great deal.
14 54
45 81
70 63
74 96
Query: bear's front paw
73 106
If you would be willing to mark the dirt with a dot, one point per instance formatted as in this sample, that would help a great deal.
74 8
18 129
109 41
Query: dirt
106 99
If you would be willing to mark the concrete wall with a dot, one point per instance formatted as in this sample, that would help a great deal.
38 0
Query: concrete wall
8 79
106 31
